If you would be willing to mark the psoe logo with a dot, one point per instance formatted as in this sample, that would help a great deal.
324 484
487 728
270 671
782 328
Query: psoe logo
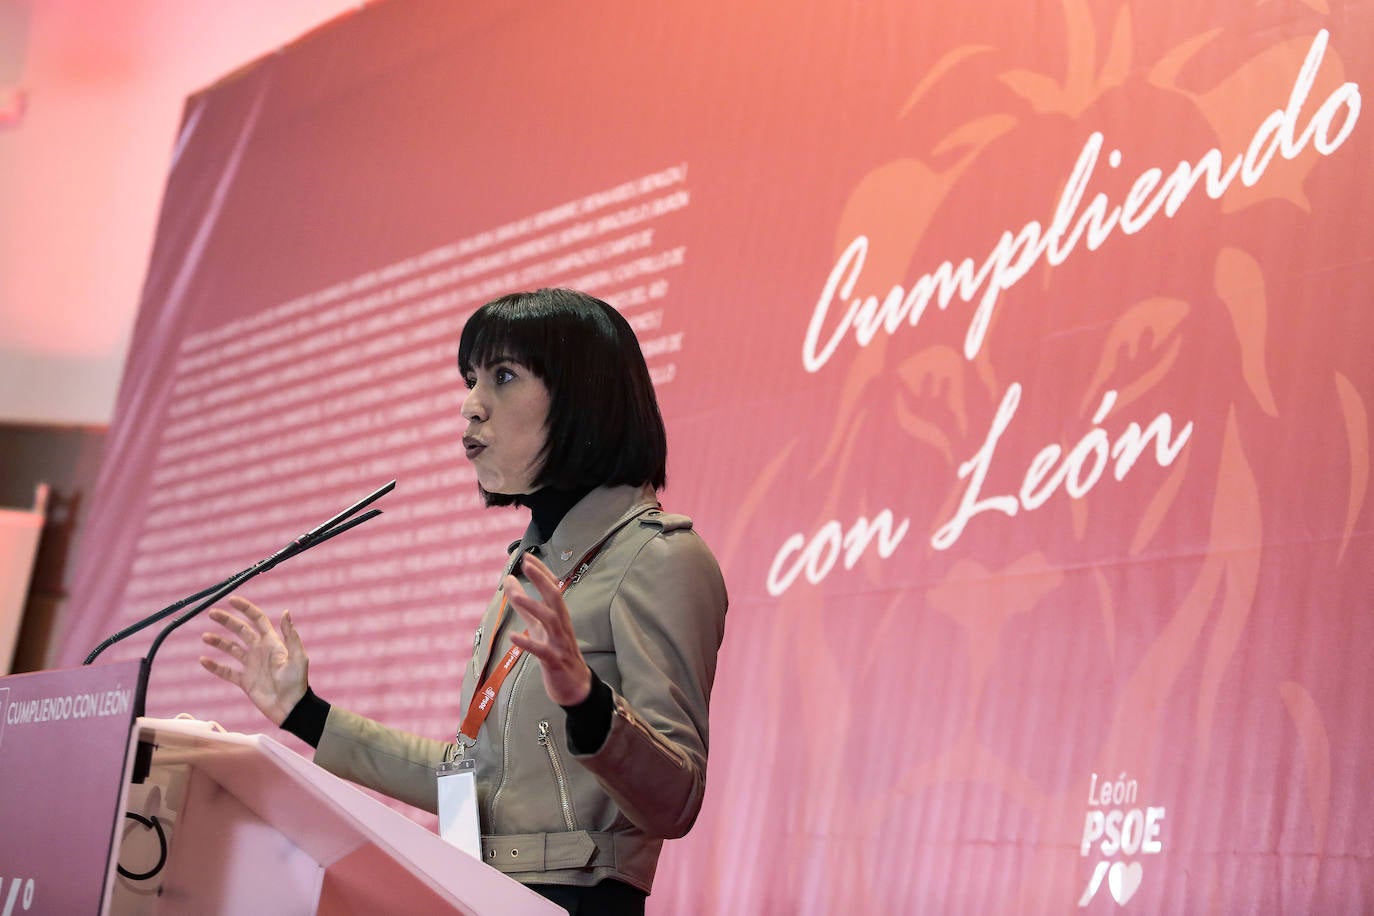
1119 829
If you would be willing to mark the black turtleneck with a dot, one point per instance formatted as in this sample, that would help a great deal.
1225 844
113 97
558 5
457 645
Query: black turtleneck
588 722
547 508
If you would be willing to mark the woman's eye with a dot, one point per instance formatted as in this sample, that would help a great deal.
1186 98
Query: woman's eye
470 381
503 375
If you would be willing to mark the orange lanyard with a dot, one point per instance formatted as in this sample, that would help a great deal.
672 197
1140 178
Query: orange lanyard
484 699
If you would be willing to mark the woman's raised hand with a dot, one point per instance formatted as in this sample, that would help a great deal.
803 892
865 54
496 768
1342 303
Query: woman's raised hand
271 668
550 637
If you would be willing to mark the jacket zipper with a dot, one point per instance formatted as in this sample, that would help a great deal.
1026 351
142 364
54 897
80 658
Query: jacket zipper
557 765
505 736
544 725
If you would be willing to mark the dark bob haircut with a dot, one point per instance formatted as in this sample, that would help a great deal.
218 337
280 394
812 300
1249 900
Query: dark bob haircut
604 426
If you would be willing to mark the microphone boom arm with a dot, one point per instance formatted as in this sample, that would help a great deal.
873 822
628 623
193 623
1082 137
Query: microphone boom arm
335 526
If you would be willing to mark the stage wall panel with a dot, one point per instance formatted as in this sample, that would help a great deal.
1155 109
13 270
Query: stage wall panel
1015 363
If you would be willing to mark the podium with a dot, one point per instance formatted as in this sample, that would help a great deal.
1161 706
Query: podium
222 822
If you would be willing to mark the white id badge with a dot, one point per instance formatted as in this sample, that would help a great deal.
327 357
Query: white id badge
458 806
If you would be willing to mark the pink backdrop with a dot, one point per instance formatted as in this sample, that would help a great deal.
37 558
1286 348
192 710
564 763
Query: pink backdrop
1015 364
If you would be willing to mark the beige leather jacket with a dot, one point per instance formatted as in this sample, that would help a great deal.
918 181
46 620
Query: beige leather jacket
649 614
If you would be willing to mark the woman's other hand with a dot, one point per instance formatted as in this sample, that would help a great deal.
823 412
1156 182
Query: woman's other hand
270 668
550 637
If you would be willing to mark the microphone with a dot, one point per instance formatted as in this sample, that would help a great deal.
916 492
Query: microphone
340 523
335 526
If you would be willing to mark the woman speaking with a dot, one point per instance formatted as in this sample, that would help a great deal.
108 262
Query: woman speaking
584 708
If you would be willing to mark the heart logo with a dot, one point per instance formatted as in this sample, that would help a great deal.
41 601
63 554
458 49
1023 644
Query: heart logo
1124 880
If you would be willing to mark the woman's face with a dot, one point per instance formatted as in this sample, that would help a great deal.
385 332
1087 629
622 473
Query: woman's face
507 409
